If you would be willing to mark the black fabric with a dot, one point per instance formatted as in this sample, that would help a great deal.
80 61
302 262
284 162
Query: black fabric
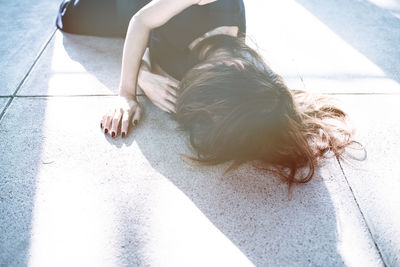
97 17
168 44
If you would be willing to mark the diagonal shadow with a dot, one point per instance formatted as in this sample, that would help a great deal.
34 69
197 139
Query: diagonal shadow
21 146
249 207
372 30
23 36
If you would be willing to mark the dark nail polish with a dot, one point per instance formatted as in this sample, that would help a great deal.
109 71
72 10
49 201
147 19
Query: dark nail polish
106 130
135 122
101 125
113 134
123 134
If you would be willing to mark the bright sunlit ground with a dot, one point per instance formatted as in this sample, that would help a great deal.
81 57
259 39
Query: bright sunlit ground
69 196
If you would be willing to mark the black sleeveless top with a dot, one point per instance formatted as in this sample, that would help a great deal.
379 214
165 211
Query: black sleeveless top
169 43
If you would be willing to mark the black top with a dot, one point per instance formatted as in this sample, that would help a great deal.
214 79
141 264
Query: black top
169 43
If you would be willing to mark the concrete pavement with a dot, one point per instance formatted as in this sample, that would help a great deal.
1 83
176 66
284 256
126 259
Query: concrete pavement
69 196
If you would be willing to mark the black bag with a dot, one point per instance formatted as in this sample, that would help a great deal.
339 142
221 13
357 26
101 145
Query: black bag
97 17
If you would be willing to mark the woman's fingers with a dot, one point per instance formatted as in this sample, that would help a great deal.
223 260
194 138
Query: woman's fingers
108 121
166 102
171 91
136 117
172 82
168 107
115 122
162 107
103 120
171 98
125 124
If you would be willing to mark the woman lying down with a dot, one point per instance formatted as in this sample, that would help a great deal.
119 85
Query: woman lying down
190 59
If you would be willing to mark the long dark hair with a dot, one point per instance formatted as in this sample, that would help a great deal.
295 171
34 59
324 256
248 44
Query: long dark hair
235 108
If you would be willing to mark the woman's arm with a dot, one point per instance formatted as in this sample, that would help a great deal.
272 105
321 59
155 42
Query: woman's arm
153 15
158 86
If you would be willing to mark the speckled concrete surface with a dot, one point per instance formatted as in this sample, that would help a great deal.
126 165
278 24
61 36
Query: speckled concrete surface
3 102
70 196
369 28
25 27
136 201
342 46
361 38
376 181
67 67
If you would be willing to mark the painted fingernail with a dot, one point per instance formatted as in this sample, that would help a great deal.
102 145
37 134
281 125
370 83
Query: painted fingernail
101 125
123 134
106 130
112 134
135 122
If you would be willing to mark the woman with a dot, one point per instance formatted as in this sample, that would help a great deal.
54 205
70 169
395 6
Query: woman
228 100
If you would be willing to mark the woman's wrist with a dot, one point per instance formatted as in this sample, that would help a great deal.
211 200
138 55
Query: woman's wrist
127 92
143 75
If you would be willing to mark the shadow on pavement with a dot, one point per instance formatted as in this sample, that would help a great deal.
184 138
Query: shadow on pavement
21 131
372 30
251 208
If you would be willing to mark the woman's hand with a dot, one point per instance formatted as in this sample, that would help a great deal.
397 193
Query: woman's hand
119 116
159 89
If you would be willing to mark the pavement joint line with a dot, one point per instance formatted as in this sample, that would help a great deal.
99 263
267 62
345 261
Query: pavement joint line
27 73
302 81
5 108
298 73
362 214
